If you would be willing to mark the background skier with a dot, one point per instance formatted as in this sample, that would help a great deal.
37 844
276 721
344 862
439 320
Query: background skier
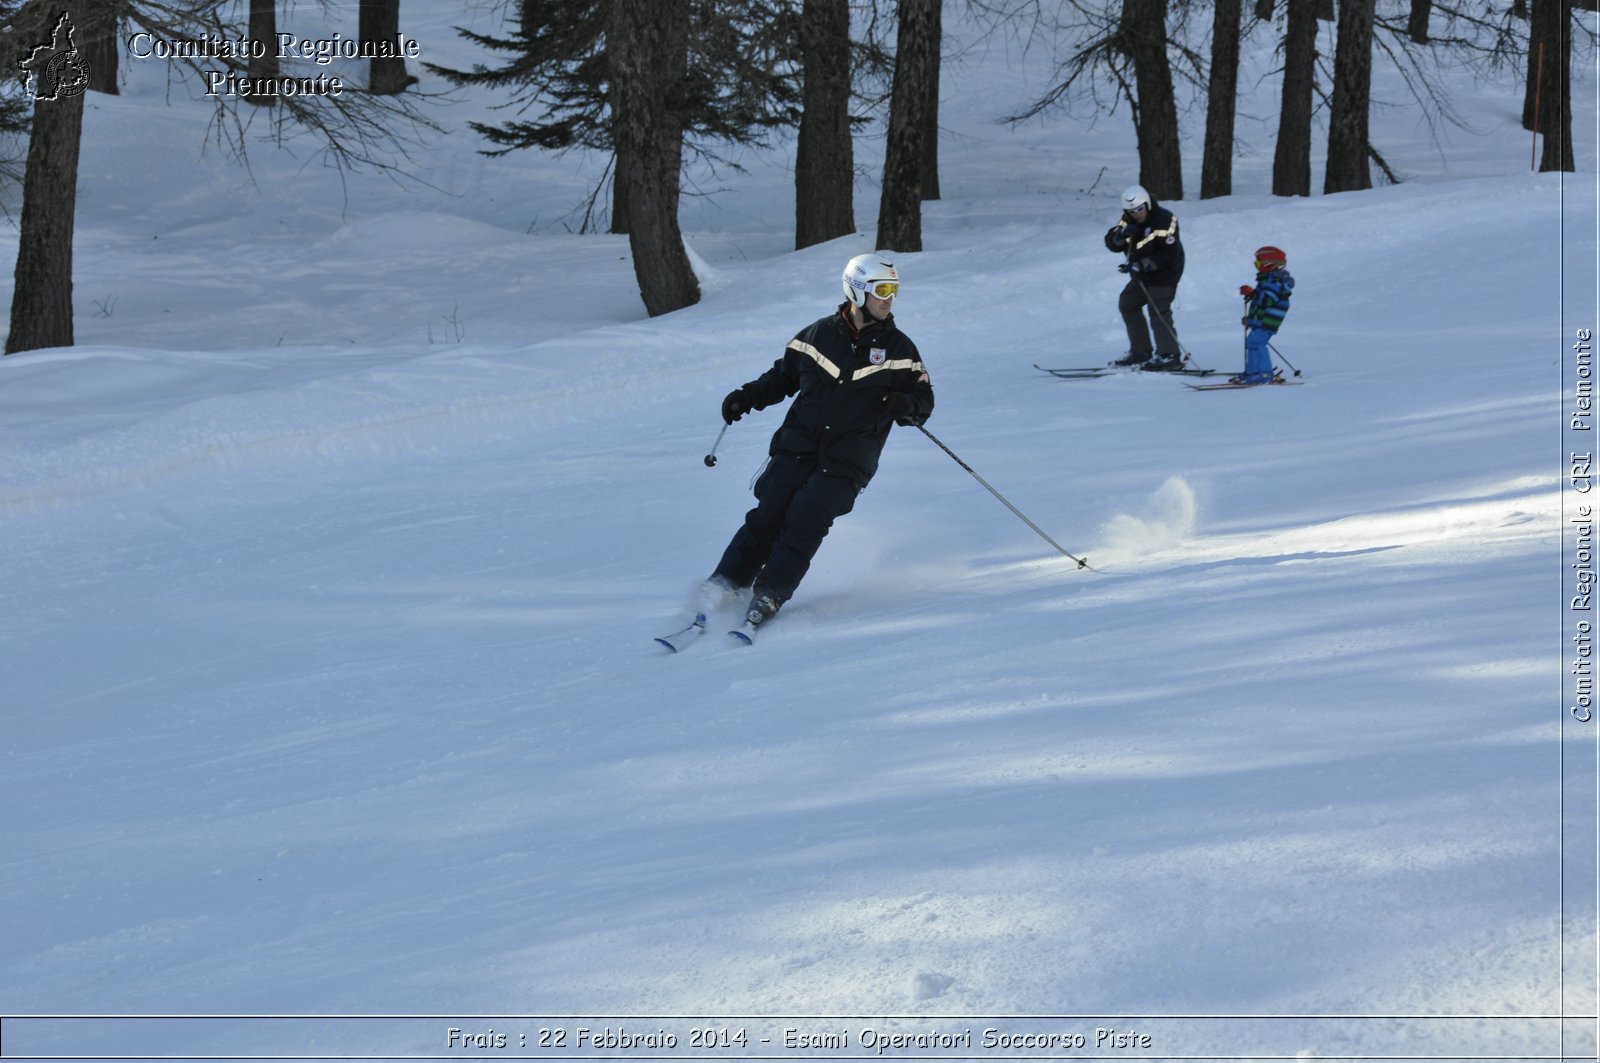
1148 236
1266 303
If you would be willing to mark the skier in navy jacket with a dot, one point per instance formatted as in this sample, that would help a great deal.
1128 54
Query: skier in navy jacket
853 375
1148 236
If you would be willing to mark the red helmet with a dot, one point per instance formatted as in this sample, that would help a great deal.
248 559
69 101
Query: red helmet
1270 258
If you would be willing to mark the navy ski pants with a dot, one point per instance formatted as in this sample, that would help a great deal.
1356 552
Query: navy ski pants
796 504
1132 303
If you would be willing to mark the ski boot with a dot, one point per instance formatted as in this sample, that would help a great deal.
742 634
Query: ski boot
763 607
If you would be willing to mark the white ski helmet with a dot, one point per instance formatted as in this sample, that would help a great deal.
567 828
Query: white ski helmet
865 273
1134 197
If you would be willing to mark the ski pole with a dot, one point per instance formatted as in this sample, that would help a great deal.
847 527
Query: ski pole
1281 358
711 458
1082 562
1151 303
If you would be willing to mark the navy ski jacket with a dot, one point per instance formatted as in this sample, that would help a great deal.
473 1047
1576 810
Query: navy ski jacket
842 380
1153 245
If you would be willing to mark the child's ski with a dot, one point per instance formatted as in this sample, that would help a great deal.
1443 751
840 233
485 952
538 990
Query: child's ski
1229 386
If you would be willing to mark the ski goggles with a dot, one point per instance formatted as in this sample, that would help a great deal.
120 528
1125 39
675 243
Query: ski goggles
884 289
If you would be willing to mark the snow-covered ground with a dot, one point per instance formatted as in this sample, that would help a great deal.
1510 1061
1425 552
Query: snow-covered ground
333 554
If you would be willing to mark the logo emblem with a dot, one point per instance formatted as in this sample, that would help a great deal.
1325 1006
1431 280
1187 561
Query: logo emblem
877 356
55 70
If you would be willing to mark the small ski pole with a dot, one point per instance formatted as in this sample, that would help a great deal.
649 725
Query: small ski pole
711 458
1082 562
1281 358
1151 303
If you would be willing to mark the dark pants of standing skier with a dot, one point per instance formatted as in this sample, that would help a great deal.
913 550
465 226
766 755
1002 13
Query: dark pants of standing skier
1132 304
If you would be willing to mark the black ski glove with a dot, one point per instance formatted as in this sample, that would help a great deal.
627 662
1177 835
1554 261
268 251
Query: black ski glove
1125 267
902 409
735 406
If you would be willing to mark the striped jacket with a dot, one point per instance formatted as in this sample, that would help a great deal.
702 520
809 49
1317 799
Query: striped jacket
842 380
1270 301
1154 243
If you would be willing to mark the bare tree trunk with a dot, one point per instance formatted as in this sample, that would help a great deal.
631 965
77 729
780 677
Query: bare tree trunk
1216 167
264 29
1541 56
1291 163
1546 102
1348 146
648 50
41 301
1417 26
930 109
1555 94
900 207
379 20
97 40
824 167
1143 36
620 215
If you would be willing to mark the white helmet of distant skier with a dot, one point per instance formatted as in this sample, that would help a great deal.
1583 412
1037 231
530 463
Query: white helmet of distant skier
872 273
1134 197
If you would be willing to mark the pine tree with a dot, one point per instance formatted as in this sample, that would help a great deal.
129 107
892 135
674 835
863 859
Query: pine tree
900 206
1291 162
41 301
264 63
1546 101
824 168
647 54
1348 142
1142 36
379 21
1216 167
739 80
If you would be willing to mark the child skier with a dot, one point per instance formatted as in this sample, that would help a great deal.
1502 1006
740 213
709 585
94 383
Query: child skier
1268 302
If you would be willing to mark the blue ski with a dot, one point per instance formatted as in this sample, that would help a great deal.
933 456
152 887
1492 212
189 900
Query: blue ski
679 641
1239 387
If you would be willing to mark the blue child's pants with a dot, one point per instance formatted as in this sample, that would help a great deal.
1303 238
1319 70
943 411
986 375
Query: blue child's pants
1257 356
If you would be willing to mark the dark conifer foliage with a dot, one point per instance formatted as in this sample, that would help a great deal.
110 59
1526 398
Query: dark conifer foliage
740 80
